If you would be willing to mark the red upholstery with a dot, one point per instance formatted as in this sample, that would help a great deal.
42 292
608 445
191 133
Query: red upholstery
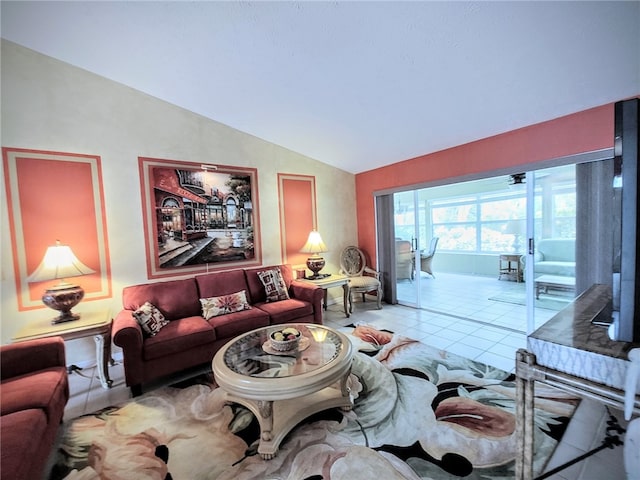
221 283
24 449
289 311
20 358
173 298
305 305
34 390
44 390
179 336
256 289
234 324
189 340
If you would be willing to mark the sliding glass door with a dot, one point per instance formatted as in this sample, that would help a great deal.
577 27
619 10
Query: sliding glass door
550 264
407 244
517 231
544 223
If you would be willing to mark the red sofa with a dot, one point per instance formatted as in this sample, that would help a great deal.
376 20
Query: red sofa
188 340
34 390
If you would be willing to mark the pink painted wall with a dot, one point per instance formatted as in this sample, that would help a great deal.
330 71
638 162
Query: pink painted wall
297 215
584 131
54 196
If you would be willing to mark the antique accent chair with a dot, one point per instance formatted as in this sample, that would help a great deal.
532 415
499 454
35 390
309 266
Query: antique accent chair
362 279
426 260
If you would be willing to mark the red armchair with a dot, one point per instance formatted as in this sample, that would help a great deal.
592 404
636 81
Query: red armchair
34 390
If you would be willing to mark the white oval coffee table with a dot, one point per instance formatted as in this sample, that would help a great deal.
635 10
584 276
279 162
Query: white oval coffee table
282 389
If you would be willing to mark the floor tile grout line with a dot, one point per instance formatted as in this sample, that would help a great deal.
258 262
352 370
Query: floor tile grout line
487 324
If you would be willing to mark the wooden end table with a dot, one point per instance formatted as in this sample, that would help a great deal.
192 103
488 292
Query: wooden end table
283 388
333 280
506 268
96 324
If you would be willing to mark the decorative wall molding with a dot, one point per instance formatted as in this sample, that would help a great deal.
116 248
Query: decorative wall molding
56 196
298 215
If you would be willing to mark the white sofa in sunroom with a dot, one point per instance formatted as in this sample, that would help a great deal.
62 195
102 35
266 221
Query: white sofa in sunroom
554 256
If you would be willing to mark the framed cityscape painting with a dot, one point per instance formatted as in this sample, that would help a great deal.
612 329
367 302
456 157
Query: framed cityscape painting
198 218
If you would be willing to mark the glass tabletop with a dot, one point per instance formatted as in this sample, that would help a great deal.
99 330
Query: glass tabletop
251 354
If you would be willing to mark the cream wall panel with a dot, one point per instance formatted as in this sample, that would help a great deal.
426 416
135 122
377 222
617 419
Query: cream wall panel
51 105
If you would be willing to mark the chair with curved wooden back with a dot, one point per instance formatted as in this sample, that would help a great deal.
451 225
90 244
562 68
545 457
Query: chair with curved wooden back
362 279
426 260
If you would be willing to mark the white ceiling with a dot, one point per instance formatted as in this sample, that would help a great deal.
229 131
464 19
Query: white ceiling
357 85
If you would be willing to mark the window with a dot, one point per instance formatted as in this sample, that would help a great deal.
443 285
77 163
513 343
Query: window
487 216
495 222
455 222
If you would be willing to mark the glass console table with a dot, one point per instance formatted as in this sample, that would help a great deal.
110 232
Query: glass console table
571 353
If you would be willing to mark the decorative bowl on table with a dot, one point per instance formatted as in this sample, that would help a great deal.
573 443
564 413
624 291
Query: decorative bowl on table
285 340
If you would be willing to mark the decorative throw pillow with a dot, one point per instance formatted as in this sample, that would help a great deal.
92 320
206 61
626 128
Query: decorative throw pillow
150 319
274 285
215 306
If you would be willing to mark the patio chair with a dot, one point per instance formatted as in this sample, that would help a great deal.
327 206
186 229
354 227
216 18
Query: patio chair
426 260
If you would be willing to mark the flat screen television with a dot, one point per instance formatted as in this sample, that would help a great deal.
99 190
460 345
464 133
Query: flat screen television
625 324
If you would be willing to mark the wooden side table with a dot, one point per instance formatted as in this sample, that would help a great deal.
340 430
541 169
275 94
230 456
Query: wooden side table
333 280
506 268
96 324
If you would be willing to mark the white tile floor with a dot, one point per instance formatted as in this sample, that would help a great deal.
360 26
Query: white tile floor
494 341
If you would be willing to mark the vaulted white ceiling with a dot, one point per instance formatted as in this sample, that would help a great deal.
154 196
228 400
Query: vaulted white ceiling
354 84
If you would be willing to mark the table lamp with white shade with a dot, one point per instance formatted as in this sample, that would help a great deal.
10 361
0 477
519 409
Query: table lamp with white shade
59 262
315 246
516 228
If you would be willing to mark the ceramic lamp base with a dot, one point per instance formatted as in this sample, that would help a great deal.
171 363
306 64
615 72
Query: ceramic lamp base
315 264
63 298
65 317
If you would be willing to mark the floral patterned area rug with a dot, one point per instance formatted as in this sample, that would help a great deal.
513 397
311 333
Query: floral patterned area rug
419 413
